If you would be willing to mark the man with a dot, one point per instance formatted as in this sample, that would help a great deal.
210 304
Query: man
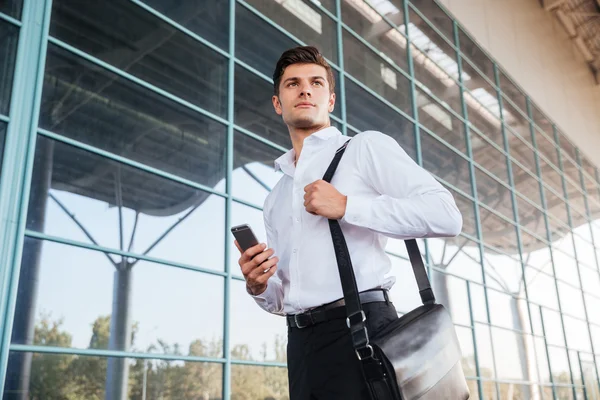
377 192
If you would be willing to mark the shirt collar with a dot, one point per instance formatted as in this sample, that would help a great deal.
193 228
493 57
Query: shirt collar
285 163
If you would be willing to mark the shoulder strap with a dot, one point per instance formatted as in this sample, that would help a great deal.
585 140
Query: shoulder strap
356 316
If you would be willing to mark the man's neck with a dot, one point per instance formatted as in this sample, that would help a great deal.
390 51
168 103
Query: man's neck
298 135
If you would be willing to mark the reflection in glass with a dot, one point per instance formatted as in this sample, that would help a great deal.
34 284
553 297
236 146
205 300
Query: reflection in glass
81 196
444 163
111 302
493 193
440 121
253 108
366 112
510 90
8 49
376 73
434 59
11 7
256 382
366 20
94 106
55 376
475 54
256 335
497 232
253 174
142 45
208 18
300 18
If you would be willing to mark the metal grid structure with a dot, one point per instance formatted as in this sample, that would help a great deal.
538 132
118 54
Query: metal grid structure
92 115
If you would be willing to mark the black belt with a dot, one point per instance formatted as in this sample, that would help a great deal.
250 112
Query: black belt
334 310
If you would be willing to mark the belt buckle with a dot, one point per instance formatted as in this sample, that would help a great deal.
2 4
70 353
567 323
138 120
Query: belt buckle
298 325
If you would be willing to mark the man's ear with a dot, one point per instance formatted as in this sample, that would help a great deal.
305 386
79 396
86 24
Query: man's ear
277 105
331 102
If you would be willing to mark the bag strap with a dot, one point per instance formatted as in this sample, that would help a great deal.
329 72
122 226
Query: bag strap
355 314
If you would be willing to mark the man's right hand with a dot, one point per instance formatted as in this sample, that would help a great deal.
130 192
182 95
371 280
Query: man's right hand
257 267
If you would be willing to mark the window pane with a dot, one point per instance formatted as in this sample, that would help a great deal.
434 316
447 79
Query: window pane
489 158
121 117
551 177
57 376
253 174
434 14
457 256
511 356
467 209
522 153
256 335
376 73
440 160
142 45
567 146
300 18
542 121
8 49
364 20
434 59
2 139
510 90
546 147
254 109
365 112
494 194
11 7
440 121
483 112
475 54
103 301
532 218
81 196
498 232
255 382
541 288
208 18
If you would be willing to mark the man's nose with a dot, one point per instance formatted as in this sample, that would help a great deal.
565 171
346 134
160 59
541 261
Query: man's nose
306 90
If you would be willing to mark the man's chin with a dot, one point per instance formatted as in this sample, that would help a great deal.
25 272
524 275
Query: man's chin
305 123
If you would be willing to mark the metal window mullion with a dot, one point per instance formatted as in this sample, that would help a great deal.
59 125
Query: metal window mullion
449 41
474 189
515 206
474 338
4 118
342 71
17 163
548 232
414 107
122 253
229 205
547 347
10 20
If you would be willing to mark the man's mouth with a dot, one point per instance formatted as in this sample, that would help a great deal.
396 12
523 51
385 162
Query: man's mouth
304 105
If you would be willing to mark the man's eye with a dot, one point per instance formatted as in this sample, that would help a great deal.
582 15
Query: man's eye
318 83
292 84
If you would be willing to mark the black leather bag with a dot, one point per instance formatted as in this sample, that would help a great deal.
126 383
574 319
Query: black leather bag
415 357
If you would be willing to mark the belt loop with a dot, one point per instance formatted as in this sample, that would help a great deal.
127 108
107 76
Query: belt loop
386 296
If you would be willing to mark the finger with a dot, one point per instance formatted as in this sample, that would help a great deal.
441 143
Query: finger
262 257
265 277
254 250
308 187
260 270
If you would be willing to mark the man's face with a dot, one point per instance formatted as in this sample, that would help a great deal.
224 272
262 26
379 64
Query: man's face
304 100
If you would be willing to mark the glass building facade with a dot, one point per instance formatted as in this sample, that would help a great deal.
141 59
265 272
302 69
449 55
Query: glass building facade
136 132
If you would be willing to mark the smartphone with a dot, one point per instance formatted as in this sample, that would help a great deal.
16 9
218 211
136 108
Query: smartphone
244 236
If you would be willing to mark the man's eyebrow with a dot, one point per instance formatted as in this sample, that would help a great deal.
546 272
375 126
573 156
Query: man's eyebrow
295 78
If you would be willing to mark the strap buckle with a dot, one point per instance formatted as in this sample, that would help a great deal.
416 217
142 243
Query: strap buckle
370 352
363 318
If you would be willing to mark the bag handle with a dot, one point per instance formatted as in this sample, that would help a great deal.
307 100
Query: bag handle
355 314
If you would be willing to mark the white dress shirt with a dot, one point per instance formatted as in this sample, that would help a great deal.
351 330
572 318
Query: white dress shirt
389 195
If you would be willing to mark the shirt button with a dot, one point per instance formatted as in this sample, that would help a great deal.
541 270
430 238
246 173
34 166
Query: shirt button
297 219
295 250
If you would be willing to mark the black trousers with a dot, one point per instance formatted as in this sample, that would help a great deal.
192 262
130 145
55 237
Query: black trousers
322 364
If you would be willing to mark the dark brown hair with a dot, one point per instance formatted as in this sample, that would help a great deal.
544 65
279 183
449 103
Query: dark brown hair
301 55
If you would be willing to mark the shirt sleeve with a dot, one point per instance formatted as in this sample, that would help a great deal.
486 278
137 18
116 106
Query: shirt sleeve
271 300
410 204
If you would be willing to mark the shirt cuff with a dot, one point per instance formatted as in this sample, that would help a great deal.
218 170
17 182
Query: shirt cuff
264 296
358 210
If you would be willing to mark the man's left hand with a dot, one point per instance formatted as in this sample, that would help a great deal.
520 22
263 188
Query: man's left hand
321 198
